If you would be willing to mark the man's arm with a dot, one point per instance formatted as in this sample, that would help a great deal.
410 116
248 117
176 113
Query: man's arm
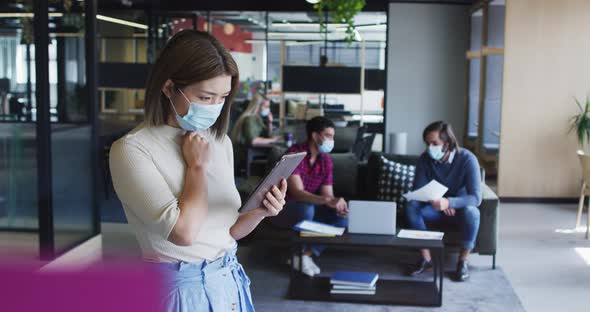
327 190
472 186
298 193
337 203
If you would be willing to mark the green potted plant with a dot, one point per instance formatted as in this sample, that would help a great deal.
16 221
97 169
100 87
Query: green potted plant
580 122
341 11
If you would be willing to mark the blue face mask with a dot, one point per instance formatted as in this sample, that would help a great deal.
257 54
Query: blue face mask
436 152
199 116
265 112
326 146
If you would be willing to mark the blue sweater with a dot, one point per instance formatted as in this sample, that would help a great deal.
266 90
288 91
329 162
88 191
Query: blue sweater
462 177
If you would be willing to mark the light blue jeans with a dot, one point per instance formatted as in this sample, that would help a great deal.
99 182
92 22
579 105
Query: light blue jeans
220 285
420 215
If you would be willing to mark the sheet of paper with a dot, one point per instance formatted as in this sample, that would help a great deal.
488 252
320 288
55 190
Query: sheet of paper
431 191
420 234
310 226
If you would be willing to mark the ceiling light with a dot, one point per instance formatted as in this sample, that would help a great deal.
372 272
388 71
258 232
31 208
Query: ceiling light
120 21
28 14
98 16
261 41
300 43
66 34
303 24
312 1
254 41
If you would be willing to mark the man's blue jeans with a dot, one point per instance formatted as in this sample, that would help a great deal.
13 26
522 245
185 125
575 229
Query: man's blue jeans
295 212
419 215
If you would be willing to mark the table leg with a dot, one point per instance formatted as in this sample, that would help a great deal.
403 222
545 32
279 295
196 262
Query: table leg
435 261
301 258
292 256
441 276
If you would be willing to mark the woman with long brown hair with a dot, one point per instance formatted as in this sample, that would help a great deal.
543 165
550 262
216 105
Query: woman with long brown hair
174 177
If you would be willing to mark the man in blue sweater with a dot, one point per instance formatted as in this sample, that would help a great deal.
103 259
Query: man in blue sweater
457 169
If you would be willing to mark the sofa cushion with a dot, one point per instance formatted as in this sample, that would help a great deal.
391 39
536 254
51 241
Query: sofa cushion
395 179
371 176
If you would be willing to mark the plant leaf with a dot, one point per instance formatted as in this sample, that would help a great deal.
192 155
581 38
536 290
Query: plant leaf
579 105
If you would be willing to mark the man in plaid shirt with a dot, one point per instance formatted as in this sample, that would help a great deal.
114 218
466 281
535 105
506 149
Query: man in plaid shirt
310 195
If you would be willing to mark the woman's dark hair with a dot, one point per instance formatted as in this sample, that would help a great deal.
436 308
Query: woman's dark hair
445 131
318 124
189 57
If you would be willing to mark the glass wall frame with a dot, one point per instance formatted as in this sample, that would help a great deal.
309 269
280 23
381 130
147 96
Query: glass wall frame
51 136
483 98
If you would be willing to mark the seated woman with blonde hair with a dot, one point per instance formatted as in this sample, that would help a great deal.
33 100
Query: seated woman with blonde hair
254 127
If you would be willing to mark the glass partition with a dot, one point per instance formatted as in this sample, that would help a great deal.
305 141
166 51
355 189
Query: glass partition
47 131
71 133
473 98
18 138
474 60
304 45
493 82
18 168
122 38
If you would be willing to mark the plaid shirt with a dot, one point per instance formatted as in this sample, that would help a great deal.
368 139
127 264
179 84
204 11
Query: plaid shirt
315 176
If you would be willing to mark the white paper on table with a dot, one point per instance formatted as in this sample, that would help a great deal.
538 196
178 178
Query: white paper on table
431 191
413 234
320 228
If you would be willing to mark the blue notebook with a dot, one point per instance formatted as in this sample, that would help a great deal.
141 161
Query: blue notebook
364 279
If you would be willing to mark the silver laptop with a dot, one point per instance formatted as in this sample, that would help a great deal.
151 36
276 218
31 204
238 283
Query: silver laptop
371 217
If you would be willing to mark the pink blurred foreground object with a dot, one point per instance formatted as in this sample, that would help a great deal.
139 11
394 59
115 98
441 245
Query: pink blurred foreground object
104 287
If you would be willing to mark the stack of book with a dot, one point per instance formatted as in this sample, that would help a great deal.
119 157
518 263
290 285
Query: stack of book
317 229
354 283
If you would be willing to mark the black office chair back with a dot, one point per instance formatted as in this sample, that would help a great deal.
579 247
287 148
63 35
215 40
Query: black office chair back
4 85
345 138
362 148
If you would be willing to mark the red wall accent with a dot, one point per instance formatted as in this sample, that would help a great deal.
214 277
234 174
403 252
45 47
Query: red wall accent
178 25
234 42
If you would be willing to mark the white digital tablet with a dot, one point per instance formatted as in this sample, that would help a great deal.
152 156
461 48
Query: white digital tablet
282 170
